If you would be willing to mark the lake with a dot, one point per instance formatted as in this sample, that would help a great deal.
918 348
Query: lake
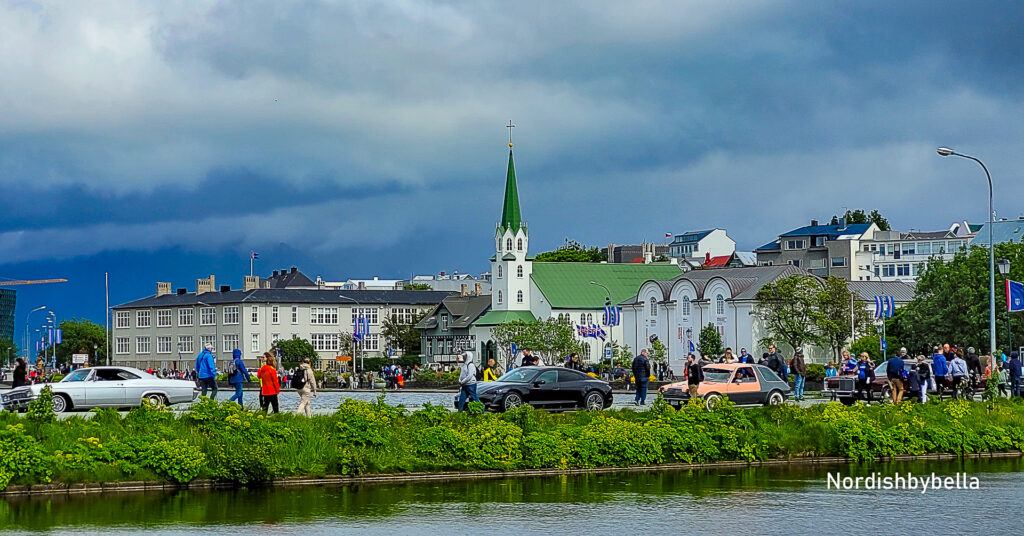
780 500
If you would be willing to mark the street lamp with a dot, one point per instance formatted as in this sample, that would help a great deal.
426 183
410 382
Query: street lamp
946 151
27 318
611 338
1004 270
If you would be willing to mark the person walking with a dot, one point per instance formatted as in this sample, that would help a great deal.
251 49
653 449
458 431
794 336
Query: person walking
529 360
776 362
304 383
925 375
894 371
574 362
19 374
800 374
961 383
206 371
973 366
865 375
941 370
270 384
1013 367
237 375
642 372
694 375
467 380
492 372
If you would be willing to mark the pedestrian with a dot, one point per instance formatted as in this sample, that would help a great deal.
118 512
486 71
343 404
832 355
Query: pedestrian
529 360
848 363
20 371
914 386
574 362
270 383
1013 366
830 370
694 375
925 375
799 373
764 359
237 375
865 375
894 372
642 372
961 383
776 362
304 382
744 357
467 379
206 371
973 366
728 357
940 370
492 372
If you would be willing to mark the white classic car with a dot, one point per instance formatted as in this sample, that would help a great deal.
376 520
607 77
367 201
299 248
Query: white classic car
101 387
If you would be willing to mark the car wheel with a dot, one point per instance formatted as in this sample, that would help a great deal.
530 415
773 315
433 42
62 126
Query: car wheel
594 401
711 400
156 400
511 401
775 398
60 404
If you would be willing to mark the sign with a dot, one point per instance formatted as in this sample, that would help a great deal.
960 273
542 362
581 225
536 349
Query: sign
885 346
607 353
343 358
514 348
1014 296
389 351
79 359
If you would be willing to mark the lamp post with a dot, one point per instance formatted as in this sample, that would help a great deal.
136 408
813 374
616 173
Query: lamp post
27 318
1004 270
611 329
355 342
946 151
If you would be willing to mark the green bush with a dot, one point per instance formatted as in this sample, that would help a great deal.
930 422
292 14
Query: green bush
815 372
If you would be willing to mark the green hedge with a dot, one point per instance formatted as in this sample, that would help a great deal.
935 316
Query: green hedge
227 443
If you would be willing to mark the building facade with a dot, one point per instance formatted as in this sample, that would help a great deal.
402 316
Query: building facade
701 245
8 299
448 329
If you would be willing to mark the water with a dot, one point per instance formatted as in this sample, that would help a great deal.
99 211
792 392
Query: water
772 501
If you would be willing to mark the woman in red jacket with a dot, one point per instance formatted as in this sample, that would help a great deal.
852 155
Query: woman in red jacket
270 386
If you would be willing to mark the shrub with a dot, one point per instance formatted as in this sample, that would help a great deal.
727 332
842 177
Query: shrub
21 457
176 460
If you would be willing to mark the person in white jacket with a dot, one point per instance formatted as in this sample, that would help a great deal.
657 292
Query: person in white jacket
467 380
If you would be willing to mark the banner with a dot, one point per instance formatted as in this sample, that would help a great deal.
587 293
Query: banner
1014 296
885 306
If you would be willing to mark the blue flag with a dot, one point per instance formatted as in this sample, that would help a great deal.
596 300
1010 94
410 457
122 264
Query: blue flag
1014 296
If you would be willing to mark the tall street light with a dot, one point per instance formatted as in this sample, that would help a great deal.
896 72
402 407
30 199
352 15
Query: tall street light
27 318
1004 270
946 151
611 338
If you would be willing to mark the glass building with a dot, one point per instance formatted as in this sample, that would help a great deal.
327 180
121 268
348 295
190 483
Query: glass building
7 298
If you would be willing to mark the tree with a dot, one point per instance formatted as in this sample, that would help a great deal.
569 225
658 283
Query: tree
787 309
710 345
81 337
8 350
417 286
859 216
294 350
548 339
400 335
658 354
833 307
573 251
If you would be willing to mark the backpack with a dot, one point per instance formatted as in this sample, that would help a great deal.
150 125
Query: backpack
232 368
299 380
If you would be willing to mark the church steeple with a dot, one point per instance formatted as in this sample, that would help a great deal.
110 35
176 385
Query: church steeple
511 218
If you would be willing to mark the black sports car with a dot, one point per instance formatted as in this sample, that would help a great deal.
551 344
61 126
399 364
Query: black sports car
544 387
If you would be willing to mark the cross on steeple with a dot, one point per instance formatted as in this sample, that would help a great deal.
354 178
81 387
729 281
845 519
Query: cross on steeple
510 126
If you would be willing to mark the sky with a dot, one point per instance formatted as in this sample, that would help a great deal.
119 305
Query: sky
164 141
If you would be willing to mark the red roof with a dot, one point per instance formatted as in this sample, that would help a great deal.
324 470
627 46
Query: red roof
718 261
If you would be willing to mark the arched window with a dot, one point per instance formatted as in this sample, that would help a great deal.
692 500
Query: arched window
519 296
519 271
583 318
590 318
499 296
499 271
520 244
684 306
654 307
508 244
585 351
720 304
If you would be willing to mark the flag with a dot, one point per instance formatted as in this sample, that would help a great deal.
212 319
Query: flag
885 306
1014 296
60 336
253 255
668 235
691 347
611 316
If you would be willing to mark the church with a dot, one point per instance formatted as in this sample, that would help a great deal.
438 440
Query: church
523 289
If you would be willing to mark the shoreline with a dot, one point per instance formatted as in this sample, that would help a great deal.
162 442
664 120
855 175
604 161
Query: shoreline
83 488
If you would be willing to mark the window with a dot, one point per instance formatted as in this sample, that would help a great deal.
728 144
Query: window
499 296
590 319
207 339
903 269
231 316
817 263
499 271
819 241
519 244
888 270
163 345
370 313
142 345
916 269
403 315
163 318
323 316
953 246
185 344
908 248
877 270
255 313
519 296
653 307
295 315
255 342
142 319
274 337
508 244
794 244
720 304
444 322
794 262
519 271
430 346
122 319
185 317
583 318
924 248
275 317
207 316
371 342
938 248
230 342
684 306
838 261
122 345
324 342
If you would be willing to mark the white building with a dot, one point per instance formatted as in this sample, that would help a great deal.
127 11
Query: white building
700 245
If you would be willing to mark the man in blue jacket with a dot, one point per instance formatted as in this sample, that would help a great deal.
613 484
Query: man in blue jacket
940 369
1014 367
894 373
238 377
206 371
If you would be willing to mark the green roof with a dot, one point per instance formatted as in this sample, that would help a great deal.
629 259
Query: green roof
493 318
566 285
511 218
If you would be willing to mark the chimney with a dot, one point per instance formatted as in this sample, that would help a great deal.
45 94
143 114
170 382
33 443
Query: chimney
464 293
814 223
611 252
208 284
163 288
275 273
294 269
442 273
477 289
842 224
361 285
251 282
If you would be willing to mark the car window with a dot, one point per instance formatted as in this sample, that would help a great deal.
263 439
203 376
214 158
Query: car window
125 375
745 375
571 376
548 376
519 375
109 375
716 375
77 376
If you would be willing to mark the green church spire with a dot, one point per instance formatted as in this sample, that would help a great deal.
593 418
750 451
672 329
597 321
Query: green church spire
511 218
